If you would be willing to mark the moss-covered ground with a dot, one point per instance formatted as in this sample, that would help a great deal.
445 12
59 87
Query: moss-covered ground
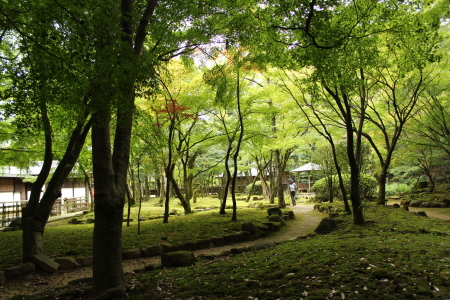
395 255
64 239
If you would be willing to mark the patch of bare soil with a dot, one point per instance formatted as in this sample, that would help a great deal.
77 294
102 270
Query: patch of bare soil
431 214
306 221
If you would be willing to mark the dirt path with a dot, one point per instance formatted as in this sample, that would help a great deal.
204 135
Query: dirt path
431 214
305 222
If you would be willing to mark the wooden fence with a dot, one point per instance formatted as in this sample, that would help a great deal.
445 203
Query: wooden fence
12 210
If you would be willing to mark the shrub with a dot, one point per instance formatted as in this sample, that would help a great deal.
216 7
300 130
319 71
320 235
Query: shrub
367 187
257 189
397 188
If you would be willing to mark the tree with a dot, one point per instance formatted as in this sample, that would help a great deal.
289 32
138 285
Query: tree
343 51
44 95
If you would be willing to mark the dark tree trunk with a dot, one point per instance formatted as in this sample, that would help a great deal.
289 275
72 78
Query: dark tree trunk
238 147
29 245
279 179
186 204
227 181
35 222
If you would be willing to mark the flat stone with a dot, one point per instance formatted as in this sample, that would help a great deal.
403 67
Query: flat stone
151 251
20 270
44 263
131 254
177 259
86 261
67 263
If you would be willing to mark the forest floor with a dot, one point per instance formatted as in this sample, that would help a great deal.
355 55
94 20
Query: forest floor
305 222
303 225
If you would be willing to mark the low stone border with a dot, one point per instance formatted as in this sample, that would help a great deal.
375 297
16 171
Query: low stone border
44 263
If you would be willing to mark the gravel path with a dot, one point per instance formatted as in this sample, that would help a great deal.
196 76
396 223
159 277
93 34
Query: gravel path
305 222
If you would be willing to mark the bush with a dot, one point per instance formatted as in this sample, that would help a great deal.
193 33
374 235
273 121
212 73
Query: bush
397 188
257 189
367 188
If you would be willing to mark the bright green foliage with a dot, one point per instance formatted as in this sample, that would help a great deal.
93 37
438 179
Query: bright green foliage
368 187
397 188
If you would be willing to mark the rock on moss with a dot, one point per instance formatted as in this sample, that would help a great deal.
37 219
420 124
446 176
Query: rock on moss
326 225
177 259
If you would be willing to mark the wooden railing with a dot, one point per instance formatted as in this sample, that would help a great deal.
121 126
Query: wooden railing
10 211
13 210
75 204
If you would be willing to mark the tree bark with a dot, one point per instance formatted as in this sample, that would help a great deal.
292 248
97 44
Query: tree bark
35 222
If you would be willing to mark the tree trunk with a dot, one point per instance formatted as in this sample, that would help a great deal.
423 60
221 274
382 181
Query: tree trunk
227 182
186 204
279 179
29 245
35 222
251 188
238 147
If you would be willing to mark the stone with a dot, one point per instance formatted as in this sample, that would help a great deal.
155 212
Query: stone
237 237
273 226
218 241
396 205
17 222
277 218
264 245
90 221
416 203
44 263
166 247
202 244
274 211
151 251
326 225
422 214
177 259
436 205
131 254
152 267
2 278
249 227
290 214
67 263
20 270
405 202
86 261
426 204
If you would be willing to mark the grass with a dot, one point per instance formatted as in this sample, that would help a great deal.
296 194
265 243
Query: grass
64 239
395 255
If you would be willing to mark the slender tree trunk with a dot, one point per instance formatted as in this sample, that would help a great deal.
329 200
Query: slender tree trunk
251 188
186 204
35 223
227 182
279 179
29 245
